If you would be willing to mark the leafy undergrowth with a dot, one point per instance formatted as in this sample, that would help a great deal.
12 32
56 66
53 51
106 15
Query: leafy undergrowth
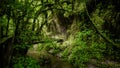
86 50
24 62
87 46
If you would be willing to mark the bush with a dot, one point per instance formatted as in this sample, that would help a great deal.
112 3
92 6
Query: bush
24 62
83 49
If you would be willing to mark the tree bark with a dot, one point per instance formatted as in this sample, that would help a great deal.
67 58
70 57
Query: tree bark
6 52
7 31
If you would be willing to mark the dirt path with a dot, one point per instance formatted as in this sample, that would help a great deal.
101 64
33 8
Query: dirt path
47 60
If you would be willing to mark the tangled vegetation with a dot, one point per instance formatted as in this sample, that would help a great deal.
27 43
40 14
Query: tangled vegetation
74 33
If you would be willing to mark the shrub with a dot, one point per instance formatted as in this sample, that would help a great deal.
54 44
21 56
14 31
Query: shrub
24 62
83 49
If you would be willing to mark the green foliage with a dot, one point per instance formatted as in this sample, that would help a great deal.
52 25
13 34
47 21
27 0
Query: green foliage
3 21
81 51
25 62
54 46
28 36
25 40
28 17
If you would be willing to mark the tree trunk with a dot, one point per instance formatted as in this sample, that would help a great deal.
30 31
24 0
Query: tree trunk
1 32
7 27
6 52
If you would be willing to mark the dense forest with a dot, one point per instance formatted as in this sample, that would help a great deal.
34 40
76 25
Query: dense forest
59 34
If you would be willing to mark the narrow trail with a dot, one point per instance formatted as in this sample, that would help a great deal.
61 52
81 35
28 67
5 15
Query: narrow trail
47 60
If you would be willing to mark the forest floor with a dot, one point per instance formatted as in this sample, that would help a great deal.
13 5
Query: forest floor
47 60
51 57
